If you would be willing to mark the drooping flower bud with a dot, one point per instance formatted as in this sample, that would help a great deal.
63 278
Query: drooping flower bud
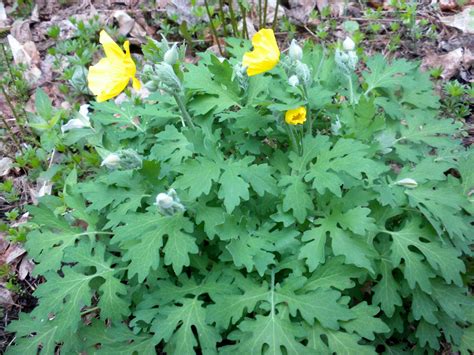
111 161
348 44
167 78
303 72
171 56
163 200
169 203
129 159
295 52
293 81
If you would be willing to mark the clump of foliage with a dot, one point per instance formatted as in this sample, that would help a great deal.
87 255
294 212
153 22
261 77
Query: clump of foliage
342 235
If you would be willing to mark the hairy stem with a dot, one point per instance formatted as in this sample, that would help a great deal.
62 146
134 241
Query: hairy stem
182 107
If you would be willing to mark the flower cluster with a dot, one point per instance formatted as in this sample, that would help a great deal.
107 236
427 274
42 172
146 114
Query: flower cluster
111 75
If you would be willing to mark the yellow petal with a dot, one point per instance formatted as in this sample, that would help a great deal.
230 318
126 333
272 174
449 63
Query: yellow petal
108 78
265 40
136 84
111 49
265 55
258 62
296 116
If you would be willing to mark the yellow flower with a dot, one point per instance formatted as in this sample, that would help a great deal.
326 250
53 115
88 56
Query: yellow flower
296 116
111 75
265 54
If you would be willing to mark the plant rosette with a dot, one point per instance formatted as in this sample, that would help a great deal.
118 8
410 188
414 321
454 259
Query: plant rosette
221 223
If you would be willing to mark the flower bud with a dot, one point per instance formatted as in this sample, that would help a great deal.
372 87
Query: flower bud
171 55
348 44
407 182
129 159
163 200
293 81
295 52
303 72
112 161
167 77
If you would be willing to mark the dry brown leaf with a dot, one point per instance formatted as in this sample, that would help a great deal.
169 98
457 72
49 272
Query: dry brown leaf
13 253
448 5
21 31
450 62
26 54
301 9
463 21
5 166
336 6
25 268
6 298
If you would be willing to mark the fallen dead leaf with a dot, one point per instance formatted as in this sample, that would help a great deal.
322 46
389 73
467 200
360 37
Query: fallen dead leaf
13 253
463 21
301 9
448 5
3 14
336 6
450 62
26 54
25 268
5 166
125 22
21 31
6 298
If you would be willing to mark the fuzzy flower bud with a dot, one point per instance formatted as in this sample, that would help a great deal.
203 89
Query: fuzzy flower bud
293 81
163 200
346 61
112 161
295 52
167 78
169 203
348 44
171 55
303 72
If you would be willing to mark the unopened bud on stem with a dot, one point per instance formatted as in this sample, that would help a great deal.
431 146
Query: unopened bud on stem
295 52
348 44
171 56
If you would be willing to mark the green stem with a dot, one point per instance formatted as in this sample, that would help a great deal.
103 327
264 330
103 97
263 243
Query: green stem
275 17
259 14
351 90
265 13
213 29
221 15
233 21
14 113
6 60
182 107
272 292
87 311
12 134
244 21
291 134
